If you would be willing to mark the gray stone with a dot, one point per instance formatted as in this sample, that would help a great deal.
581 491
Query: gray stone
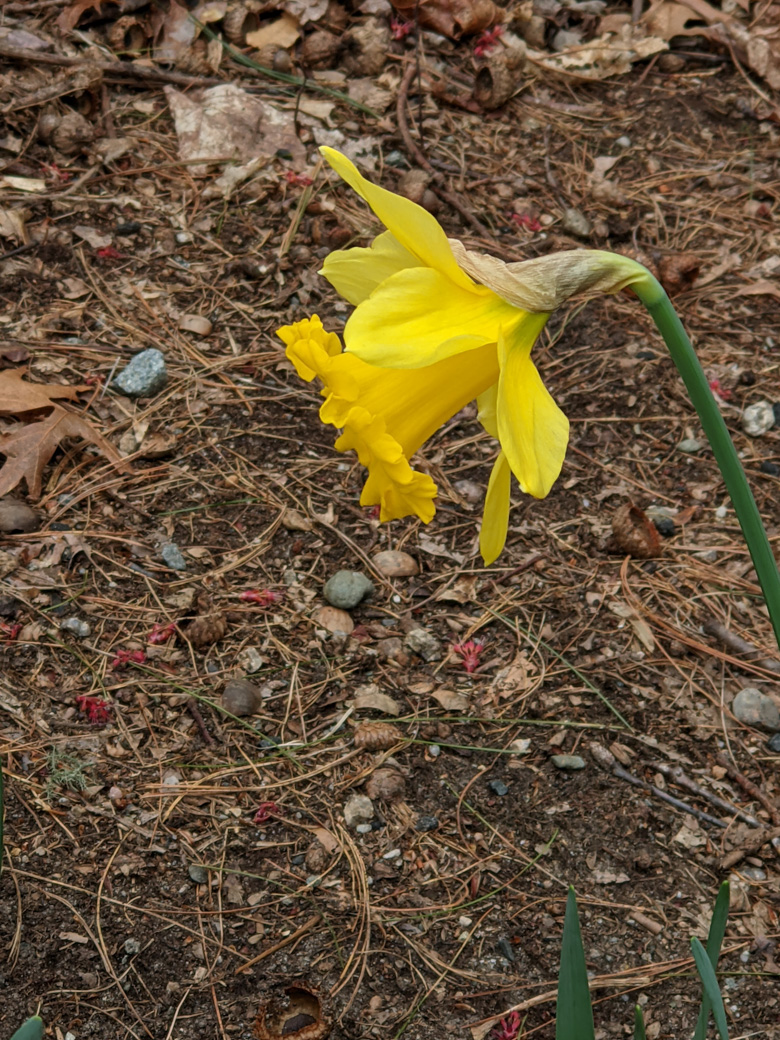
345 589
774 743
758 418
568 762
144 375
754 708
172 557
198 874
426 823
79 628
623 142
690 446
498 787
132 946
576 223
17 517
358 809
421 641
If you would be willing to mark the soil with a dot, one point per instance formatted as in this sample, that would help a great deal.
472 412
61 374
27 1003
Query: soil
140 897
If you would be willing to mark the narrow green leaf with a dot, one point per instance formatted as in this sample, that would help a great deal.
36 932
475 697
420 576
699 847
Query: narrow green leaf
710 983
714 942
573 1014
639 1024
32 1029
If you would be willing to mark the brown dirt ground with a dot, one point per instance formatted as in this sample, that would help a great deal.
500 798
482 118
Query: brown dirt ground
414 933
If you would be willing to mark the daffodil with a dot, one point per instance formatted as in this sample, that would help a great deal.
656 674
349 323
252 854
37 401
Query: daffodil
436 325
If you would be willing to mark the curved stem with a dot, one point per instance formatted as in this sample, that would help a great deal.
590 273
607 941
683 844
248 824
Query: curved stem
669 325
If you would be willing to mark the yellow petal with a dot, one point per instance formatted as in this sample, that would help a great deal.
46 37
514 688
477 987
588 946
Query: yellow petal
355 273
418 317
487 405
414 227
495 519
532 429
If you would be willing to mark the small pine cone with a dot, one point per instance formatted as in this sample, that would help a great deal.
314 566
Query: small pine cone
207 629
317 858
386 785
377 736
127 35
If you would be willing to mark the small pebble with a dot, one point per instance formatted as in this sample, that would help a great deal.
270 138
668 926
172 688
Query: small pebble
79 628
241 697
345 589
470 490
576 223
758 418
172 557
776 409
505 949
131 227
364 828
393 564
198 874
421 641
251 660
498 787
358 809
132 946
754 708
753 873
774 743
392 854
144 375
623 142
426 823
336 621
721 512
690 446
464 922
771 468
17 517
568 762
434 750
665 526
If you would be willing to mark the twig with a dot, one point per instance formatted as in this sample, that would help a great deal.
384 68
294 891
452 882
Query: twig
739 645
307 927
677 776
749 847
194 710
419 158
750 788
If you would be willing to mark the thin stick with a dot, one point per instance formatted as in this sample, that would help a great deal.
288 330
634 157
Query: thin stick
281 944
749 788
739 645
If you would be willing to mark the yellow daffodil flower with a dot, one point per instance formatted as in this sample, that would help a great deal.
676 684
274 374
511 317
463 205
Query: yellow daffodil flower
434 327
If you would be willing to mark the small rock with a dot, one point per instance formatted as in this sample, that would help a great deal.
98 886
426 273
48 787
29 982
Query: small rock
421 641
17 517
79 628
392 854
251 660
568 762
623 142
172 557
334 620
758 418
774 743
690 446
144 375
357 809
665 526
498 787
346 589
754 708
470 490
132 946
363 828
386 785
434 750
505 949
392 649
576 223
198 874
721 512
241 697
195 323
426 823
771 468
393 564
465 922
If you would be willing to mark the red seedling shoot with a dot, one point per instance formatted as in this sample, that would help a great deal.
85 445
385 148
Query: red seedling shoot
723 394
507 1028
125 657
97 710
262 597
10 631
300 180
400 29
108 253
470 652
266 810
524 220
52 172
161 633
487 41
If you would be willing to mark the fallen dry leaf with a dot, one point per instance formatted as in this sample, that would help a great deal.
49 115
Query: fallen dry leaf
70 16
16 396
453 18
450 700
29 449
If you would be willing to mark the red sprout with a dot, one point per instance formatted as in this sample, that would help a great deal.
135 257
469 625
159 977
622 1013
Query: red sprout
96 709
262 597
507 1028
266 810
125 657
161 633
524 220
487 41
470 652
300 180
108 253
400 29
10 631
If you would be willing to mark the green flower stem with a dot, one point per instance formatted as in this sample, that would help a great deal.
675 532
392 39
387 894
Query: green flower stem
669 325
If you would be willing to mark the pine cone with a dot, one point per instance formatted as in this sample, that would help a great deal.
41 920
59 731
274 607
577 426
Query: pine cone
377 736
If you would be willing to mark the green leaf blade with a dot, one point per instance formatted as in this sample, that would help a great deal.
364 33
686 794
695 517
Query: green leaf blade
574 1014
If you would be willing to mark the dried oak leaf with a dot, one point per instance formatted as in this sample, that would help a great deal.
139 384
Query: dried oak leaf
635 533
16 396
70 16
453 18
29 449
